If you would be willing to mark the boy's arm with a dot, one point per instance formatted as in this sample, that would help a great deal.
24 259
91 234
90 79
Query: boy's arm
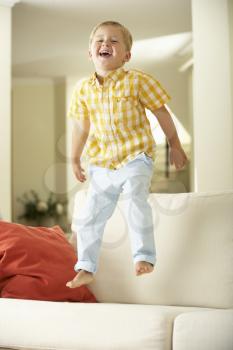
80 133
177 154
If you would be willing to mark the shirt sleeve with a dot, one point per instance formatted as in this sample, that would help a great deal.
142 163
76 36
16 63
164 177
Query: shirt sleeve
78 108
151 93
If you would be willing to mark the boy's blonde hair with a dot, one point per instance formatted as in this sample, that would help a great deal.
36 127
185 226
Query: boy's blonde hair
126 33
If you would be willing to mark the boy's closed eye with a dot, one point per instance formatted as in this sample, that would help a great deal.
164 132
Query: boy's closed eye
101 40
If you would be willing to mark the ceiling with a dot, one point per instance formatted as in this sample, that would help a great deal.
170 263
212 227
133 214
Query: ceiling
50 38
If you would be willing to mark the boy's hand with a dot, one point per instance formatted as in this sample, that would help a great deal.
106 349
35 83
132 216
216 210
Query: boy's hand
79 171
178 157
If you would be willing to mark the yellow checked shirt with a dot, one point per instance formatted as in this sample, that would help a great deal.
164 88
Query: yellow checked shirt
120 129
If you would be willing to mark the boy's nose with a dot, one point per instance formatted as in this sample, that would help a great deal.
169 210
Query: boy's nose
106 42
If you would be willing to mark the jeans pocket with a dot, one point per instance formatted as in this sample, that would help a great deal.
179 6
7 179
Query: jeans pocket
91 169
147 159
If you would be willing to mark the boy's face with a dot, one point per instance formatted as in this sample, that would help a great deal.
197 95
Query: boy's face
108 51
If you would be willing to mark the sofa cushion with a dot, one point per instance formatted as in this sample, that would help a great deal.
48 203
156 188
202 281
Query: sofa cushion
204 330
27 324
194 244
36 263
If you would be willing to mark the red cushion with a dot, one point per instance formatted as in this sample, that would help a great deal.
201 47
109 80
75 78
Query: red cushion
36 263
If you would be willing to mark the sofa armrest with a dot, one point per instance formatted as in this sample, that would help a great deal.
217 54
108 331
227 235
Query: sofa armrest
204 330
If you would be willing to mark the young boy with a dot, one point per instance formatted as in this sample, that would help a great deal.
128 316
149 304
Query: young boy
109 107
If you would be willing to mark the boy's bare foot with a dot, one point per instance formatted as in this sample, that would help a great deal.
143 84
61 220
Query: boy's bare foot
142 267
82 277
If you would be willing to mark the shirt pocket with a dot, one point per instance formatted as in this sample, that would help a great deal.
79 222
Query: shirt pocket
124 103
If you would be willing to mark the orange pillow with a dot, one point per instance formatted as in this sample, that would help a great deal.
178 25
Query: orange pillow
36 263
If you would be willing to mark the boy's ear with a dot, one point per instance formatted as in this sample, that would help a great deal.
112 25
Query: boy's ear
89 55
127 56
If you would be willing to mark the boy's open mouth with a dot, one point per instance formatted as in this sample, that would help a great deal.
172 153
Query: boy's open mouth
105 54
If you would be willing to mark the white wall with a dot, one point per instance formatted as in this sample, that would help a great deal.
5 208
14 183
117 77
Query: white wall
33 137
5 113
60 136
212 96
230 7
190 103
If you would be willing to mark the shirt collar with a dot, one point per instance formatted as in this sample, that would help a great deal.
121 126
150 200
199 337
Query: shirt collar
114 75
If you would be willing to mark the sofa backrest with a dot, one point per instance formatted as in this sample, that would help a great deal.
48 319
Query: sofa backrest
194 245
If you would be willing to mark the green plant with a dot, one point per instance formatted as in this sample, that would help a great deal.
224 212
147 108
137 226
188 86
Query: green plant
37 209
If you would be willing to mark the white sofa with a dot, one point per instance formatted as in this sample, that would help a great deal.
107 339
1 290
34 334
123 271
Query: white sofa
185 304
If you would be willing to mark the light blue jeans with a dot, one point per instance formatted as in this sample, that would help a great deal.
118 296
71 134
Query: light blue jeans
133 181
